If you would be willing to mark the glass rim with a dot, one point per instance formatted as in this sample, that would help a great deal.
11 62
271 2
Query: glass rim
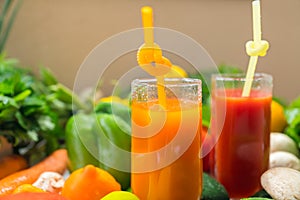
241 77
169 82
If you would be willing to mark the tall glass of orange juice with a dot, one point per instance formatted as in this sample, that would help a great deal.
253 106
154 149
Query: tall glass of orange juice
166 140
243 126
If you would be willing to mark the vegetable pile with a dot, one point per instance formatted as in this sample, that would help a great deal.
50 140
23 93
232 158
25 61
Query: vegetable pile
38 116
45 181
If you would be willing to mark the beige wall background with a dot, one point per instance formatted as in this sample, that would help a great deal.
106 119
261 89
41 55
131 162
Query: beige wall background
59 34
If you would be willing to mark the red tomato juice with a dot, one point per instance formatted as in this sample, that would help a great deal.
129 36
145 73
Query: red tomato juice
242 150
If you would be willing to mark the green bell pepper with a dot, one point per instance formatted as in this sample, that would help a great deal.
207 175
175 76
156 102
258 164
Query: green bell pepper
115 146
97 139
114 108
78 133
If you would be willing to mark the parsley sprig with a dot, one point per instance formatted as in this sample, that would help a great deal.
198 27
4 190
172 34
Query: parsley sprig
33 110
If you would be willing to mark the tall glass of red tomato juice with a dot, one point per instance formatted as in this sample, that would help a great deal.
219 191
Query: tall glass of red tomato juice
166 140
242 125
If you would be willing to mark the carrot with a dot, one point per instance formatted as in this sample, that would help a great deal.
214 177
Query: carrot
56 162
10 164
34 196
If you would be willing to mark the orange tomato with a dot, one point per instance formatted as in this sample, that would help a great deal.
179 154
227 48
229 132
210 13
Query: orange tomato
89 183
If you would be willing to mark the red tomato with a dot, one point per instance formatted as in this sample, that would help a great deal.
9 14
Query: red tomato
33 196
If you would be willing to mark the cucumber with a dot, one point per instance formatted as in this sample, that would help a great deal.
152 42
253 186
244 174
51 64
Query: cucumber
262 193
212 189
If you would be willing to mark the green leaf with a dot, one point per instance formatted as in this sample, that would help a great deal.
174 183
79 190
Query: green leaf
47 77
7 62
22 95
294 134
51 144
227 69
21 120
6 88
25 82
34 101
292 115
7 115
280 101
33 135
59 105
6 102
66 95
62 93
296 122
20 136
295 103
46 123
206 115
29 110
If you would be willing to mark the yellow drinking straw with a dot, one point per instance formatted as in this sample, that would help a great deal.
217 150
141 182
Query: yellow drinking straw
149 55
254 48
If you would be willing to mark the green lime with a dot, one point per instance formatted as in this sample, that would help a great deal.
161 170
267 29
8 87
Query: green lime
120 195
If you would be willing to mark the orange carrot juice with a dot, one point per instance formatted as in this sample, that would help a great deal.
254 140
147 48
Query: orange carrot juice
165 149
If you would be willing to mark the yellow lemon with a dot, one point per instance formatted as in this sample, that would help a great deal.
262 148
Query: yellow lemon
27 188
120 195
278 121
175 72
